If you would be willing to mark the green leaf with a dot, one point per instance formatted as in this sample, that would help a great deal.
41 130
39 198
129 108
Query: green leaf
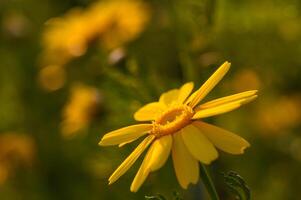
237 185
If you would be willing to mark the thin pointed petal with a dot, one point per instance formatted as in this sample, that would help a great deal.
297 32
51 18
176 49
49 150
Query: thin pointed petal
223 139
154 159
142 172
215 110
131 159
185 91
125 143
125 134
209 85
185 165
227 99
198 144
223 108
149 111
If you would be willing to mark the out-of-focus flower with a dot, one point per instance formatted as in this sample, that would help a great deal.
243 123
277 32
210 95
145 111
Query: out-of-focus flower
15 150
279 116
124 20
65 38
176 128
113 23
52 77
79 110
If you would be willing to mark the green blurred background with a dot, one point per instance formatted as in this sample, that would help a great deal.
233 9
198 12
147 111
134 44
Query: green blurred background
65 82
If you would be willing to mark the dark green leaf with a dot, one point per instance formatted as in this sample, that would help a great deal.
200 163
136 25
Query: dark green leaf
237 185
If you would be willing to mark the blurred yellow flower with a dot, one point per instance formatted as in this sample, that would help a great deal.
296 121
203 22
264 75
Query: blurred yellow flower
15 150
52 77
64 38
113 22
79 110
176 128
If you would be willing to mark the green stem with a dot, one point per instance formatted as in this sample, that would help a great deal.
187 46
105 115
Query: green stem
208 183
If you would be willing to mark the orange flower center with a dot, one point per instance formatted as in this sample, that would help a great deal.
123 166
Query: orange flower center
172 120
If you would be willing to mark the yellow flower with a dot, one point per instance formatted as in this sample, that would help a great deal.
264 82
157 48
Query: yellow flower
112 23
52 77
122 21
79 110
176 127
65 38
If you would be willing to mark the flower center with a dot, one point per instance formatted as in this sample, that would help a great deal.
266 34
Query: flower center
172 120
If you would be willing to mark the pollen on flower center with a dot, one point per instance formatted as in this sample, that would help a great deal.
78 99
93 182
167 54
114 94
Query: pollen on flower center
172 120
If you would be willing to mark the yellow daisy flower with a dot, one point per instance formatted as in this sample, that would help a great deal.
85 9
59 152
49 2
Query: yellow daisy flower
113 23
176 128
79 111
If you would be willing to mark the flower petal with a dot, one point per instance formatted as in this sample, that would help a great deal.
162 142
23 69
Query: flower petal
227 99
223 108
125 143
142 172
185 91
131 159
215 110
149 111
169 97
198 95
161 150
223 139
198 144
125 134
154 159
185 165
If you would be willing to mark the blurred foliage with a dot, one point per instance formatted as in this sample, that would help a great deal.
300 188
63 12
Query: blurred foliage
124 55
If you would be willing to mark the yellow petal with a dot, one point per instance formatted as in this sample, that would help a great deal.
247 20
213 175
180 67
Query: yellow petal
222 139
216 110
154 159
131 159
198 144
149 111
169 97
185 91
142 172
125 143
185 165
223 108
125 134
161 150
197 96
227 99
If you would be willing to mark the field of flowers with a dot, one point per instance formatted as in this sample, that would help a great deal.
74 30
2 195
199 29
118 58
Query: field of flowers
136 99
